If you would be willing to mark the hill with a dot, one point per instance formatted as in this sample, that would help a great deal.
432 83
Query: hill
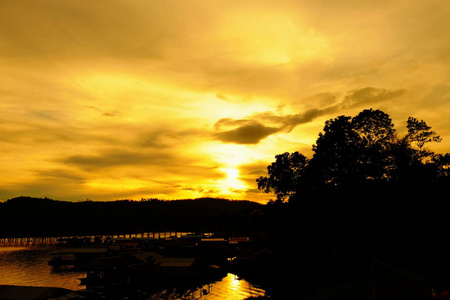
27 216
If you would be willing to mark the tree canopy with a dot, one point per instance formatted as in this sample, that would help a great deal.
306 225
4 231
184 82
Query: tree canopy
358 150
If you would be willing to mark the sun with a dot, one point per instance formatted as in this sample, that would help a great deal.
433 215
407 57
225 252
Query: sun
232 173
232 181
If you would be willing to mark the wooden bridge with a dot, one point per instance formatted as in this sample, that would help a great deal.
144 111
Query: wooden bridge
98 238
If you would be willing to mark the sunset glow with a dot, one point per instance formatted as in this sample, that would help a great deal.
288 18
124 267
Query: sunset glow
184 99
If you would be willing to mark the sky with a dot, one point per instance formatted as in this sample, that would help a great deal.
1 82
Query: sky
131 99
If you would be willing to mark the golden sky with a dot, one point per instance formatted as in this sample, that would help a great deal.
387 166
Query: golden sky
130 99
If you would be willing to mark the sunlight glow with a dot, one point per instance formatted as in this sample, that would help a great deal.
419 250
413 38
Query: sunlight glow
231 182
232 173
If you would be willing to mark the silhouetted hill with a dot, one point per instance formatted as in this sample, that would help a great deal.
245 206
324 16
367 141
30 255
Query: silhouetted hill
27 216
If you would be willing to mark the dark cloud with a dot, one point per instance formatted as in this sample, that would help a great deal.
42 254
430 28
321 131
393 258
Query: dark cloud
253 129
229 122
291 121
251 132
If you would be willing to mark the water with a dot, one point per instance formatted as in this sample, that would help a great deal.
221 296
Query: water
28 265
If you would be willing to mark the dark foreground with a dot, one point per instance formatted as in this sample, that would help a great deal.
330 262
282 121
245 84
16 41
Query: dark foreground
361 250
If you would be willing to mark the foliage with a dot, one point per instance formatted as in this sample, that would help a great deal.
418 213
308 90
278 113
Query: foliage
354 151
284 174
420 132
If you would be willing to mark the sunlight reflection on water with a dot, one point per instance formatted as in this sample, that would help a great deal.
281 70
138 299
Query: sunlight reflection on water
29 266
233 288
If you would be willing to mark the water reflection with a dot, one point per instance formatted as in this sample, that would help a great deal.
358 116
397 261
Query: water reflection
233 288
11 249
28 266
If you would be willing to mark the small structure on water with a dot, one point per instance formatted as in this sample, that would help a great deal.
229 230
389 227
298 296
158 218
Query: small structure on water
74 258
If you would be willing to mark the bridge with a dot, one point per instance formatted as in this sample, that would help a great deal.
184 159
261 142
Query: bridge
99 238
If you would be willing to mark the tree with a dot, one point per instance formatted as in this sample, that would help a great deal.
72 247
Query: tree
284 174
442 162
420 132
354 149
374 128
333 152
417 164
350 152
376 134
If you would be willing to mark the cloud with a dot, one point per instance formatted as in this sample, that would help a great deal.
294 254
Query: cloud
45 115
166 137
251 132
369 95
81 30
117 158
60 174
201 189
111 114
253 129
237 191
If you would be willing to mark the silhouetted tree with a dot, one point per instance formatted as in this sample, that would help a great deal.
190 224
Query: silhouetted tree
376 135
420 132
442 162
417 163
354 151
284 174
334 151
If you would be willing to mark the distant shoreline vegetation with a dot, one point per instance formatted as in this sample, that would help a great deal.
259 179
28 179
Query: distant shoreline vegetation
26 198
29 216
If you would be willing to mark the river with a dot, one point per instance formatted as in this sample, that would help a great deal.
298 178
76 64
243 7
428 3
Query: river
27 265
